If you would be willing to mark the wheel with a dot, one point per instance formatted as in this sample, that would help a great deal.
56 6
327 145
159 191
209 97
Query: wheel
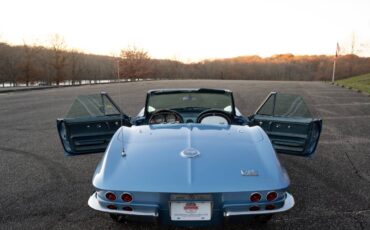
263 219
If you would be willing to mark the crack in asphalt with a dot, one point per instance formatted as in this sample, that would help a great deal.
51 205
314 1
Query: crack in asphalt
53 167
359 222
327 214
356 171
327 180
346 117
61 215
61 176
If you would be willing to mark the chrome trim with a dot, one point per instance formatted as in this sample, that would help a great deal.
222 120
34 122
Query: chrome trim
94 204
125 202
190 152
288 204
253 194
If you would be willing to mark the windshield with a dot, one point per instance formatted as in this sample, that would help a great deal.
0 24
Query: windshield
193 100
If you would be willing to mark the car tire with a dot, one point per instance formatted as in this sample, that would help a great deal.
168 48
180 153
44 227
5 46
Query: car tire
263 219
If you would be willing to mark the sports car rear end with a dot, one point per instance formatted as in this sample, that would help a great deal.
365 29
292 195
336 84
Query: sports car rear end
190 174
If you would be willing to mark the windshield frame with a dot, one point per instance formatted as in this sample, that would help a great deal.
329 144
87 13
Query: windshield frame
200 90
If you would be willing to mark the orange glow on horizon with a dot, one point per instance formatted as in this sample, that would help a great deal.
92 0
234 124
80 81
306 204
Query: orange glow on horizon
192 30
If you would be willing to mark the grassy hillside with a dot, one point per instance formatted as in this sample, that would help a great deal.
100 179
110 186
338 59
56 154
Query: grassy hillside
361 82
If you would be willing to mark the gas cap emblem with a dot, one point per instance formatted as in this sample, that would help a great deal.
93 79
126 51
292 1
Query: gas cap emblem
190 153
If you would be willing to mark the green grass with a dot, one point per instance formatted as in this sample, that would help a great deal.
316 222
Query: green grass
361 82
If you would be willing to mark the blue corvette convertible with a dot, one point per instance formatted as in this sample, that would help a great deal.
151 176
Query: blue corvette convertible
190 157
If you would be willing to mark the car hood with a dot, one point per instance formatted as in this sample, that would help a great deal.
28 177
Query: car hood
190 158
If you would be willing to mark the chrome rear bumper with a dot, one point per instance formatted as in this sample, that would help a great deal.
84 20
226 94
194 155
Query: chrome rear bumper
94 204
152 211
288 204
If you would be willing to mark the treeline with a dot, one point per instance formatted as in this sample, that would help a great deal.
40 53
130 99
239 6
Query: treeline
277 67
284 67
55 65
51 66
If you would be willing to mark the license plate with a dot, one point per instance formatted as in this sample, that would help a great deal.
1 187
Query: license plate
200 210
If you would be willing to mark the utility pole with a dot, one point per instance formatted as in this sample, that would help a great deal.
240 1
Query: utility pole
335 61
118 70
333 76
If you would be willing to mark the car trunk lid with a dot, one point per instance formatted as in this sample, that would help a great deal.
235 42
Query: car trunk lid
191 158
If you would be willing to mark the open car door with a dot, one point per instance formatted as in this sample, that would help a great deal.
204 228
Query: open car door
90 124
289 124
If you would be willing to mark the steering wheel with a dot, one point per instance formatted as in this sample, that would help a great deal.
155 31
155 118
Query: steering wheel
165 116
214 116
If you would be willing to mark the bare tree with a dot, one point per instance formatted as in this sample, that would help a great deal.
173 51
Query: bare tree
58 47
135 63
115 66
76 66
3 47
9 65
28 66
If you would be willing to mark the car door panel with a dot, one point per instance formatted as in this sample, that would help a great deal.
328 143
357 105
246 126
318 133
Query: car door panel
90 127
290 126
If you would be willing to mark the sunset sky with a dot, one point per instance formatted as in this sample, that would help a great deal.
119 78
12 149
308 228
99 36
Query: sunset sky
191 30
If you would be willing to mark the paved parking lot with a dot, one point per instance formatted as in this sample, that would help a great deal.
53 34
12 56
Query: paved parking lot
43 189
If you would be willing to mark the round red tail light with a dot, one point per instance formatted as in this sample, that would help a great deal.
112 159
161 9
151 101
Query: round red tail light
110 196
127 208
271 196
254 208
270 207
111 206
255 197
126 197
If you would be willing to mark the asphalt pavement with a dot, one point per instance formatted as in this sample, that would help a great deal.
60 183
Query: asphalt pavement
43 189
